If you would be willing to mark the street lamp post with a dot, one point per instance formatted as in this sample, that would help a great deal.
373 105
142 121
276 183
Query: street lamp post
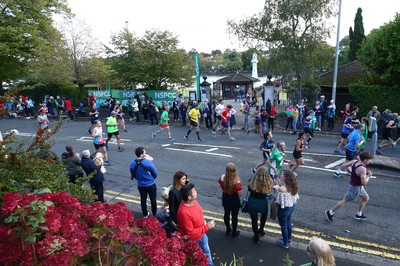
336 53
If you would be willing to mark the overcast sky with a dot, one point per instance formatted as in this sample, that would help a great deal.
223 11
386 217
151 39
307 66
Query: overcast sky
202 24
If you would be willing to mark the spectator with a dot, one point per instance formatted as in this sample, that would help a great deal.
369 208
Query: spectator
72 163
191 220
260 186
331 114
174 196
68 108
286 198
320 253
319 112
96 182
145 173
324 105
231 193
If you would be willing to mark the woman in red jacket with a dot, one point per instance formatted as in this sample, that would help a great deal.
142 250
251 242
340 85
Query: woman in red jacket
68 108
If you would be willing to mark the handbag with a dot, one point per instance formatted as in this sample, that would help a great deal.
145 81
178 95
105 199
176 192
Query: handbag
243 205
274 210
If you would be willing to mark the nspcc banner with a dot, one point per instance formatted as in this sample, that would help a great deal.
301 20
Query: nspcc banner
123 95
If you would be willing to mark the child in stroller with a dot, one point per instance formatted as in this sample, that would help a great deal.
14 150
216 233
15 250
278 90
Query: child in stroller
80 111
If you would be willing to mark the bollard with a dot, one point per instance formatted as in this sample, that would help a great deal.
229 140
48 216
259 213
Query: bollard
373 127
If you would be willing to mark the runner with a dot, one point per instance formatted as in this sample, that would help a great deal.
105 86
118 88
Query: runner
298 148
359 177
94 115
355 141
387 134
266 147
346 130
43 121
276 161
98 141
194 115
225 114
308 127
164 125
120 115
112 129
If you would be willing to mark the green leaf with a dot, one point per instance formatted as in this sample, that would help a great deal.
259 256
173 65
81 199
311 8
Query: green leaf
30 239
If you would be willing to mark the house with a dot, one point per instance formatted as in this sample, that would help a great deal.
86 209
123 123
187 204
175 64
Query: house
347 74
234 84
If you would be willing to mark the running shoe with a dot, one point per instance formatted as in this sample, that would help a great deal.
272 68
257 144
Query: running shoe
213 133
282 244
360 217
186 138
120 148
171 139
262 233
200 140
125 130
336 151
232 139
329 217
289 240
153 135
248 132
338 175
235 233
107 163
394 144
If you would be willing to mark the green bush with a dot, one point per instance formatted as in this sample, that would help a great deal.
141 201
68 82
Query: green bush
28 167
367 96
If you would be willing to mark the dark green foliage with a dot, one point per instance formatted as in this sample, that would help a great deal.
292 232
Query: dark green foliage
369 95
380 52
356 36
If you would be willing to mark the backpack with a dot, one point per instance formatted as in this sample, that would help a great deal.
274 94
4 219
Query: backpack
138 163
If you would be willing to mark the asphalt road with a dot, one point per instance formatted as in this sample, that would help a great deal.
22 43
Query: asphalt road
372 241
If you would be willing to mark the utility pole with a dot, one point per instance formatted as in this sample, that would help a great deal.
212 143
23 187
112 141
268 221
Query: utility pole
336 54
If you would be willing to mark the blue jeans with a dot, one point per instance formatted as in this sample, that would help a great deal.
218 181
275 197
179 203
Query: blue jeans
246 121
264 126
203 243
284 217
294 125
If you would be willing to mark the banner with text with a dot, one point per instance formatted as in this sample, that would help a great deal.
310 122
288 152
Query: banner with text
123 95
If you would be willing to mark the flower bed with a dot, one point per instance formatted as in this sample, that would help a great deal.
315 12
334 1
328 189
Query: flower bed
56 229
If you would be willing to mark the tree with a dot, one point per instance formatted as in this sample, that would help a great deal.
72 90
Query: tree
233 61
154 60
380 54
356 36
84 54
24 25
293 29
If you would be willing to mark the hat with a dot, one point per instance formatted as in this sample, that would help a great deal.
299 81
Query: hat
86 153
113 113
332 101
322 96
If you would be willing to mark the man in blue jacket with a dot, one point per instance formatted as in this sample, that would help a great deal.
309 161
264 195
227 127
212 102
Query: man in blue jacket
144 171
96 182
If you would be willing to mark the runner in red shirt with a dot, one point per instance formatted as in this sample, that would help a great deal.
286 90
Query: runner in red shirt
225 114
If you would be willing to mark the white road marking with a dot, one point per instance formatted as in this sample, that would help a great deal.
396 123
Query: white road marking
212 149
166 145
201 152
322 154
338 162
204 145
309 160
321 169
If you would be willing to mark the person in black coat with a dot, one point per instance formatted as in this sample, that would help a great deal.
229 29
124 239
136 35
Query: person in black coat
96 182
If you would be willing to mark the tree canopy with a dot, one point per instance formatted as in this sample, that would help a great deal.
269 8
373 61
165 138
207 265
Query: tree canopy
24 25
356 36
293 30
380 52
154 60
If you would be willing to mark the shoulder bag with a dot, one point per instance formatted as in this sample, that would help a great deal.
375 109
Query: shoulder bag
243 205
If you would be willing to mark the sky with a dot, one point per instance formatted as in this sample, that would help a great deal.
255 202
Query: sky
202 25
